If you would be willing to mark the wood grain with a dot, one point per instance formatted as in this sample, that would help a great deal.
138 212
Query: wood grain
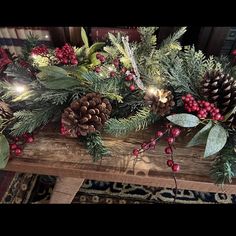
53 154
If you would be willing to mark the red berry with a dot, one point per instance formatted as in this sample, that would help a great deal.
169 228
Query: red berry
170 163
175 167
152 142
116 62
102 59
183 98
112 74
98 55
123 69
16 139
18 151
30 140
168 150
144 146
136 152
159 134
132 87
217 117
170 140
175 132
13 146
169 126
63 130
207 104
187 99
98 69
129 77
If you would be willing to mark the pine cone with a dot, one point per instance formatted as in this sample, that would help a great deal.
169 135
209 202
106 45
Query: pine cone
5 111
86 115
220 89
160 102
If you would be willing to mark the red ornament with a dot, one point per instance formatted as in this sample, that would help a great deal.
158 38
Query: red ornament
175 132
170 163
18 151
168 150
132 87
136 152
175 167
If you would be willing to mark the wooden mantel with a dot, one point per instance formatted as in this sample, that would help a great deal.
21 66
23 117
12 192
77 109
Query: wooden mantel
53 154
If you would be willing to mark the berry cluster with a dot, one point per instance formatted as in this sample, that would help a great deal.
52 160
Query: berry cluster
40 50
172 133
66 55
203 108
130 75
17 143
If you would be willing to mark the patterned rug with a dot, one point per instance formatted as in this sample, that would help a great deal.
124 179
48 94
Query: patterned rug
33 189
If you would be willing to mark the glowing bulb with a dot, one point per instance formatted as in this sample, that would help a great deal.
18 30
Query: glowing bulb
110 68
46 36
152 90
34 56
20 88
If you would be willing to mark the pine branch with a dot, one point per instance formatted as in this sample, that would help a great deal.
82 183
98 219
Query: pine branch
96 149
18 72
28 121
172 39
224 167
107 87
57 97
142 119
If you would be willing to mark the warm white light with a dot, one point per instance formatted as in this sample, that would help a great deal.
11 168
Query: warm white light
19 88
46 36
34 56
110 68
152 90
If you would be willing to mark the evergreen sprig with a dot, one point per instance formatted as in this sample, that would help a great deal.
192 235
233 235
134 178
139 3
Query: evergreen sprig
139 121
224 167
94 144
27 121
107 87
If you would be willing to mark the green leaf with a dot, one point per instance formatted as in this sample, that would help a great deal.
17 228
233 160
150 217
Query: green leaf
53 72
216 140
184 120
94 60
95 47
84 37
4 151
201 136
61 83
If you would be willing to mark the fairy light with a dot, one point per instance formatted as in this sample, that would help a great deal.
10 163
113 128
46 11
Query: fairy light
34 56
152 90
19 88
46 36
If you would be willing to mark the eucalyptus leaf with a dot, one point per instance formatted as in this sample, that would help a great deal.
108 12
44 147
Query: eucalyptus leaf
84 37
216 140
184 120
201 136
61 83
4 151
48 72
95 47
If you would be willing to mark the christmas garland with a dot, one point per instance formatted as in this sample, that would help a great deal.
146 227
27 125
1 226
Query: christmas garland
119 87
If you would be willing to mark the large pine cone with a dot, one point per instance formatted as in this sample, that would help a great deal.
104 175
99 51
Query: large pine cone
86 115
220 89
5 111
160 102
